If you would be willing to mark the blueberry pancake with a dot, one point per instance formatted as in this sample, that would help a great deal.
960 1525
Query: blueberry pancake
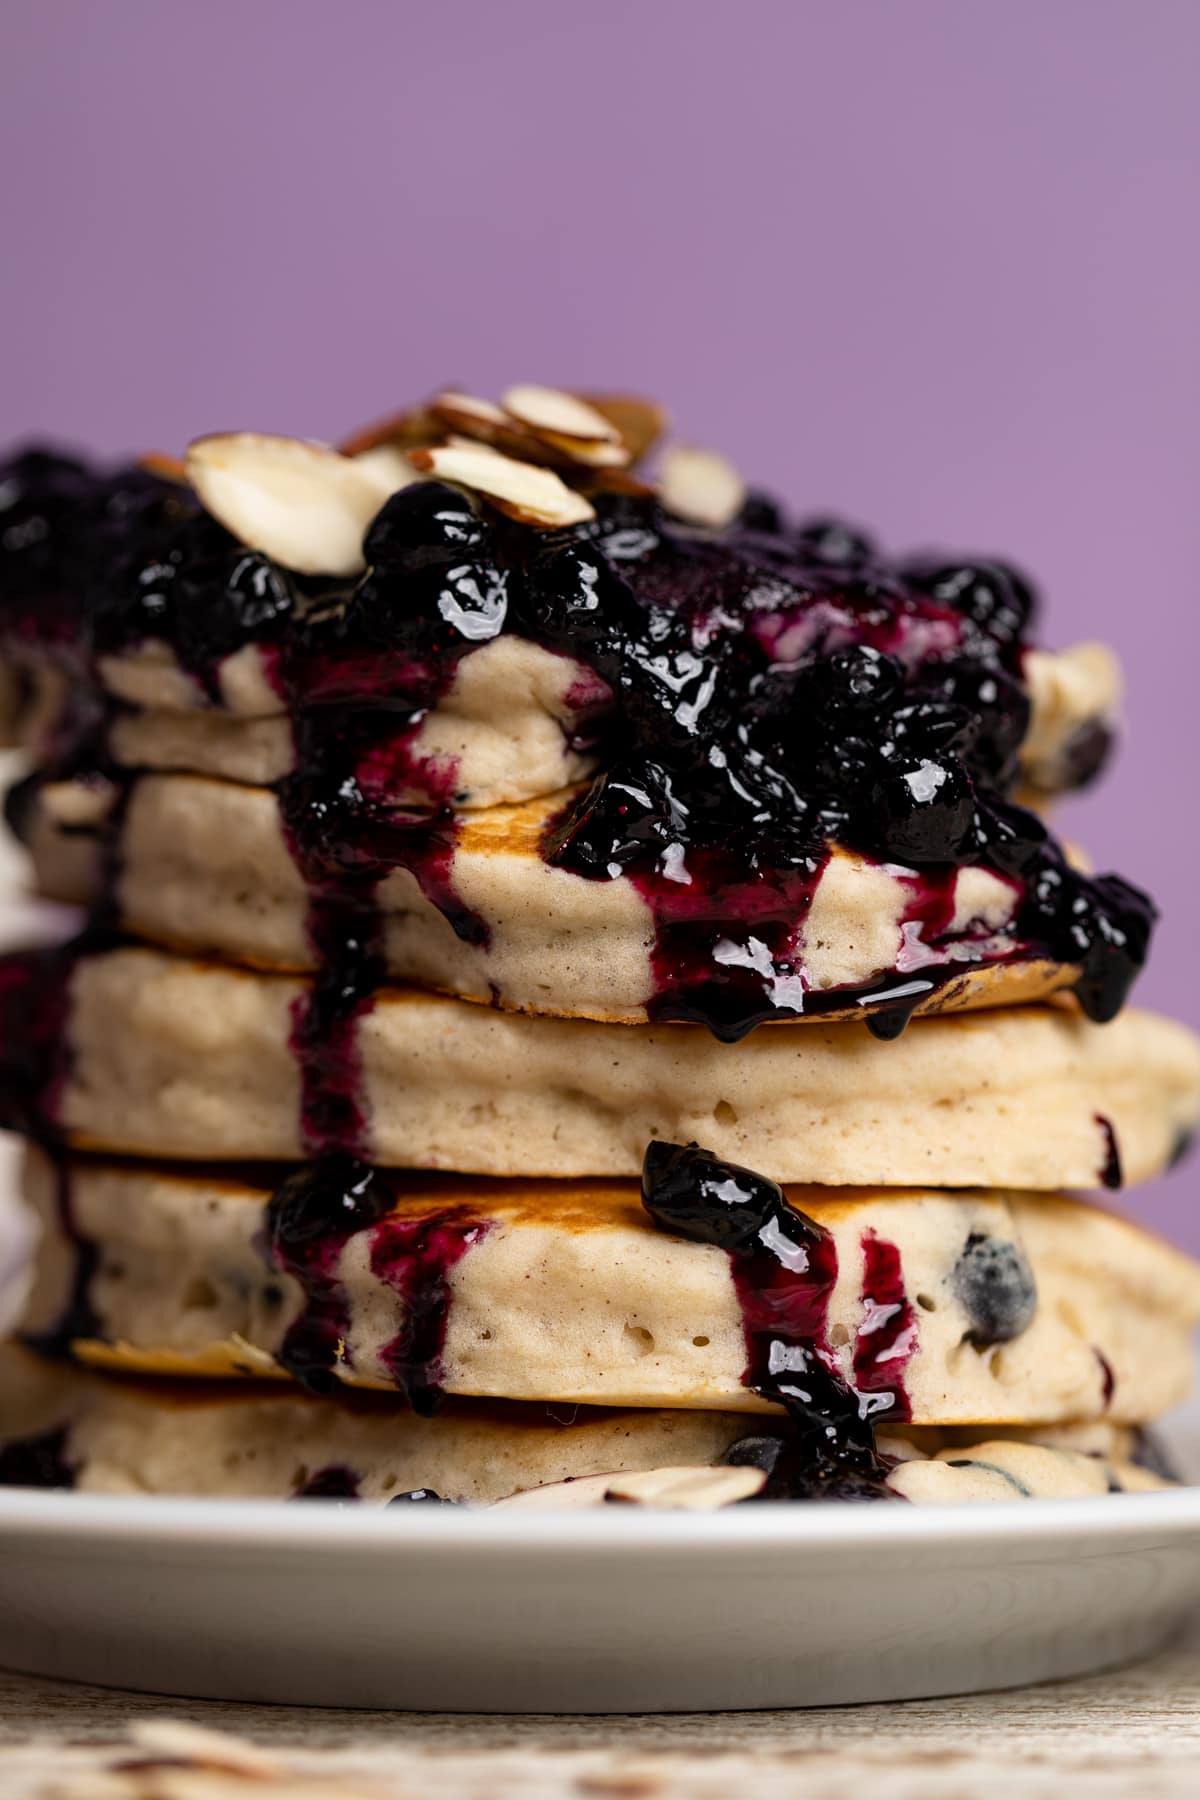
140 1052
928 1307
62 1427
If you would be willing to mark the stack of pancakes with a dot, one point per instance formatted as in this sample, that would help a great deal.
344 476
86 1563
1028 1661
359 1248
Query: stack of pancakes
578 1000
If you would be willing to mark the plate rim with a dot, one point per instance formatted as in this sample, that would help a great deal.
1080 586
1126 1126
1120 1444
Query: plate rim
70 1520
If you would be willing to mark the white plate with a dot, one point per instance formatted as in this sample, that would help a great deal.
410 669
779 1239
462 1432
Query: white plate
612 1611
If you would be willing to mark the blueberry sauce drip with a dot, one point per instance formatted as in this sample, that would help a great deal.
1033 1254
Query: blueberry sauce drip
311 1218
1108 1378
34 1054
1111 1173
37 1462
772 689
334 1482
79 1318
415 1257
887 1336
784 1268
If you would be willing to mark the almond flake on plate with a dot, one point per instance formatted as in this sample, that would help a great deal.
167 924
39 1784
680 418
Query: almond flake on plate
688 1489
562 415
701 487
305 505
179 1741
534 496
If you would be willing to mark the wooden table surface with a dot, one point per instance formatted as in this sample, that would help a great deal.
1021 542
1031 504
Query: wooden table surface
1133 1732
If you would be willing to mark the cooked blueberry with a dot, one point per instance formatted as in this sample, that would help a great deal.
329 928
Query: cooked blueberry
857 679
995 708
330 1198
760 512
994 1285
924 809
984 592
420 1497
626 820
692 1192
427 522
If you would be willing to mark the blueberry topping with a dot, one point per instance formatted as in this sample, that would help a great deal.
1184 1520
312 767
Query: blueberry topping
426 524
331 1199
689 1191
784 1267
994 1285
759 694
924 810
420 1497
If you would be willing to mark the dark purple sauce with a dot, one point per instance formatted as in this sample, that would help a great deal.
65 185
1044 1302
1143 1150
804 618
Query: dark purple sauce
310 1220
887 1336
784 1269
1109 1379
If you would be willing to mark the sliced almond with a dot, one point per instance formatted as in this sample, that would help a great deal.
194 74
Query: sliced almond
586 452
387 465
534 496
482 422
639 423
305 505
167 468
558 1496
701 487
688 1489
562 415
416 425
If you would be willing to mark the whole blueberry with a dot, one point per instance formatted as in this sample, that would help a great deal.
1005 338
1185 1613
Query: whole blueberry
857 679
332 1197
427 522
923 810
994 1285
991 595
690 1191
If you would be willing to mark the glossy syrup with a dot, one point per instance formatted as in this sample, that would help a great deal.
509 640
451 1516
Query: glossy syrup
784 1269
311 1219
887 1336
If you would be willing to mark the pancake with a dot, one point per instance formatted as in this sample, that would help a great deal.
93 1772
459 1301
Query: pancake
206 866
507 729
66 1427
504 730
180 1059
934 1308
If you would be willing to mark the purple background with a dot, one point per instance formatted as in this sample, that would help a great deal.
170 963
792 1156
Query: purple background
932 262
